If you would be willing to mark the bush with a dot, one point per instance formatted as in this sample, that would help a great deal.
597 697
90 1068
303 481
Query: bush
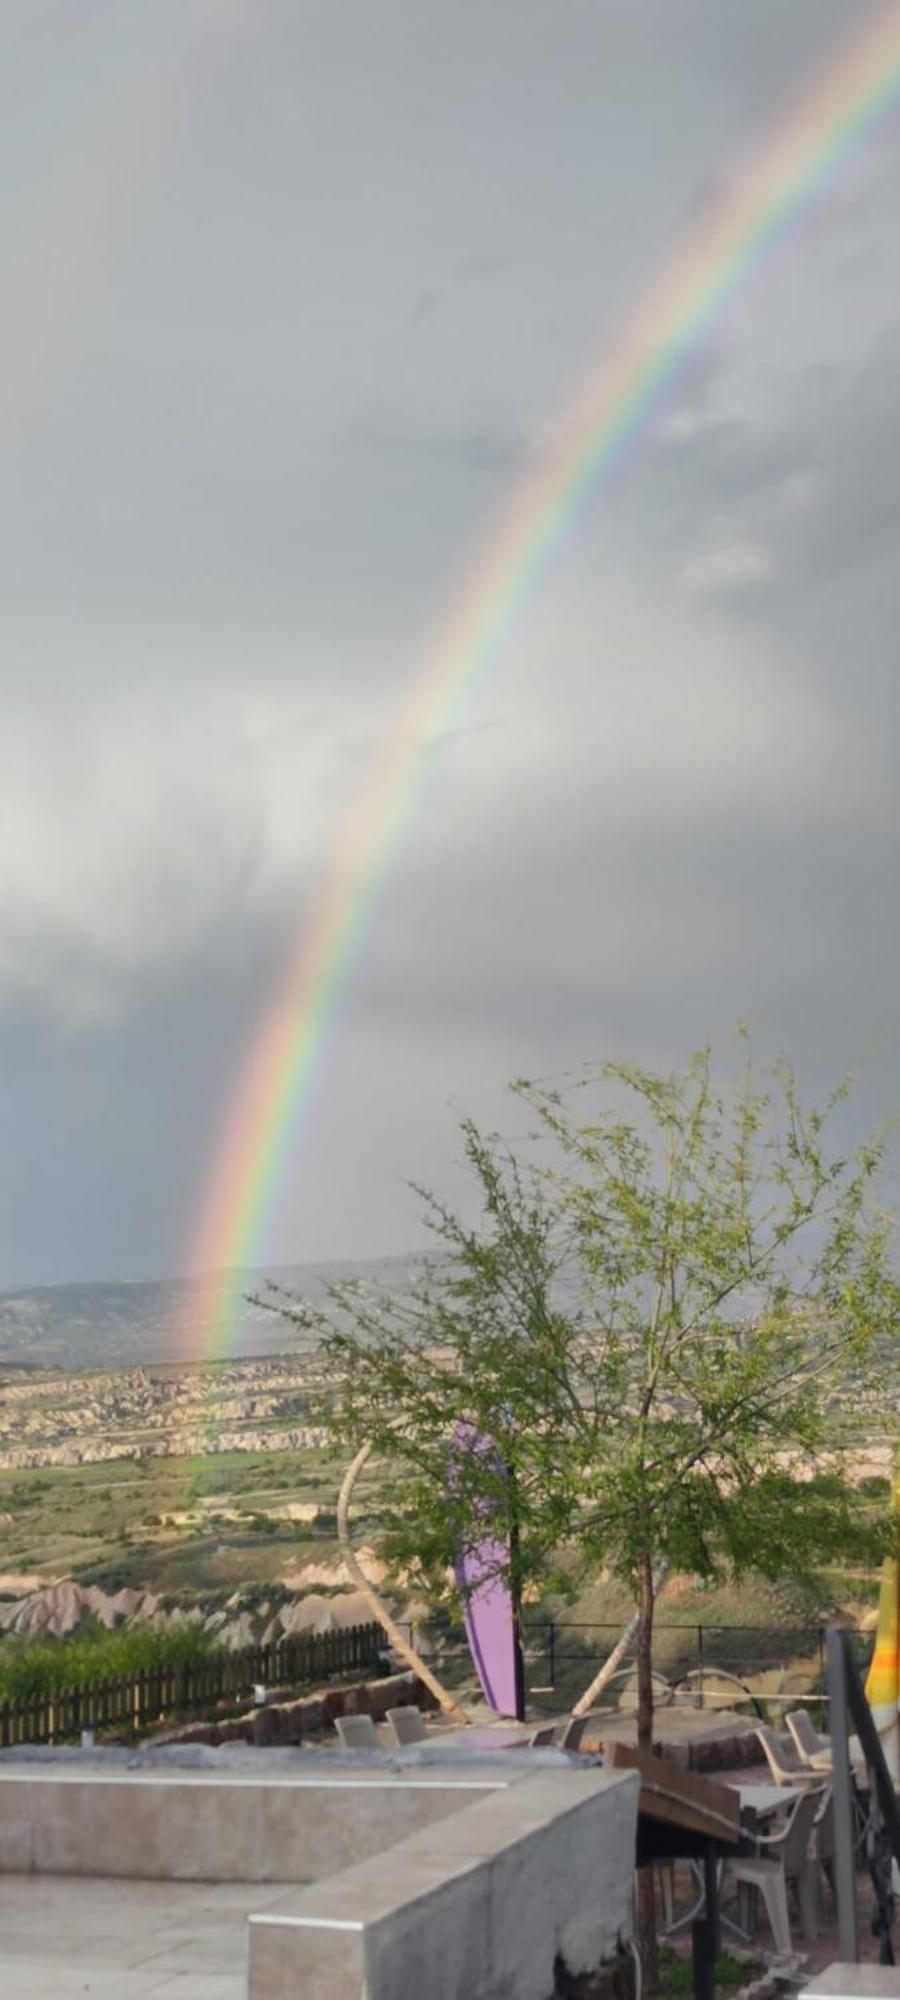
47 1666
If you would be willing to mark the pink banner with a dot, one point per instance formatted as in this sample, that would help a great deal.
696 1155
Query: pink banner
487 1602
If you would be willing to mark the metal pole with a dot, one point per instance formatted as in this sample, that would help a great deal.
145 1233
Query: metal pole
842 1781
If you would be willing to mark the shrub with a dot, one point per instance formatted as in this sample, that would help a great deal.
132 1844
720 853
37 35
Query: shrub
46 1666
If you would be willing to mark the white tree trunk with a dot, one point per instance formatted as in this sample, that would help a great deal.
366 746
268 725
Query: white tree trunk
356 1571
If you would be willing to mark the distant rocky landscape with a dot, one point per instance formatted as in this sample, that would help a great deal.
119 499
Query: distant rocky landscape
118 1325
141 1489
244 1617
51 1418
139 1486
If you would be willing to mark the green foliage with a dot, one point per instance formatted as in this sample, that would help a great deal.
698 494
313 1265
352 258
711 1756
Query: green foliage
676 1974
660 1325
48 1666
27 1493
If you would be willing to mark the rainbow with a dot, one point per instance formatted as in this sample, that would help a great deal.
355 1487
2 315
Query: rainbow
611 408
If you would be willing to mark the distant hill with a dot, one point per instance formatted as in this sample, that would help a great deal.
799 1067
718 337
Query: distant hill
109 1324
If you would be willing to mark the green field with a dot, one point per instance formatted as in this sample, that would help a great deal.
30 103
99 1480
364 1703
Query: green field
168 1523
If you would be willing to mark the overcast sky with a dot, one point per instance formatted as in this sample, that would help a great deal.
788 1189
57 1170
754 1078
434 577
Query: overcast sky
294 292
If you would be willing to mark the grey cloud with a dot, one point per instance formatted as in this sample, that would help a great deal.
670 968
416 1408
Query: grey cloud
479 450
289 372
811 481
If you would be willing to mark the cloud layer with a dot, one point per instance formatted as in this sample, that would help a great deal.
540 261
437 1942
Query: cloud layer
294 305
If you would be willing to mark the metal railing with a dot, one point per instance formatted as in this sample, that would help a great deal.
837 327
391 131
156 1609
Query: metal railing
881 1843
561 1656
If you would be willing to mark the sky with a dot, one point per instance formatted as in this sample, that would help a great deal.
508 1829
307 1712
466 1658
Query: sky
294 296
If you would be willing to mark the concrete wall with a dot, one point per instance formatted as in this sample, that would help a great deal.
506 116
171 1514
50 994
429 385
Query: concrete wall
193 1827
475 1908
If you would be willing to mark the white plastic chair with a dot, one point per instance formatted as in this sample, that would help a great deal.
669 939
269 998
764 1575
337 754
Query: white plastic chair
815 1750
812 1749
405 1725
356 1732
782 1759
782 1863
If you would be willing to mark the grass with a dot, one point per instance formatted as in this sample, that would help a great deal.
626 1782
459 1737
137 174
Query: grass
96 1521
48 1666
676 1974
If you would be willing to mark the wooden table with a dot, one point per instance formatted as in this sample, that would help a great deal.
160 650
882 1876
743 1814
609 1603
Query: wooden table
760 1803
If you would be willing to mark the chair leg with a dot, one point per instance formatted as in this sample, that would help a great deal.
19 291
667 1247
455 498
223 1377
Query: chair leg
808 1897
747 1907
774 1892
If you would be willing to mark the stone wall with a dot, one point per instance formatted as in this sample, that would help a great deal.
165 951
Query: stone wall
286 1718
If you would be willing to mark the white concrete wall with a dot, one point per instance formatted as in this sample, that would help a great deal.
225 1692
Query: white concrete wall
474 1908
192 1827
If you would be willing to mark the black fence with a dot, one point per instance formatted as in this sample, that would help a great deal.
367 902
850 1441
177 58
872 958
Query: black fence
137 1699
768 1667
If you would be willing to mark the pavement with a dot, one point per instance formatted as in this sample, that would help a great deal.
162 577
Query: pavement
62 1936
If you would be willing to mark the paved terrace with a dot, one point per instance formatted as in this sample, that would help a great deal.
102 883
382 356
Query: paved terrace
261 1875
61 1936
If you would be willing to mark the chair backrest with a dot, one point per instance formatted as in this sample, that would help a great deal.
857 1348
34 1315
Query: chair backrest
405 1725
573 1732
806 1739
799 1832
543 1735
781 1756
356 1732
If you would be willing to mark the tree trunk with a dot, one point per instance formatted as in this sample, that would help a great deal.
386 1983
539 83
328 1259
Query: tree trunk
586 1700
646 1605
515 1591
646 1899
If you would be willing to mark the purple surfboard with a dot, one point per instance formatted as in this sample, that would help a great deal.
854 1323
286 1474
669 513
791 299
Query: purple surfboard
487 1602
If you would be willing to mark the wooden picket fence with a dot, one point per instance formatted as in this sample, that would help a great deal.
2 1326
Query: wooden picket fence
297 1662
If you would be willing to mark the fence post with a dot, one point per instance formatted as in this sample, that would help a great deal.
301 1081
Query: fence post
700 1658
552 1653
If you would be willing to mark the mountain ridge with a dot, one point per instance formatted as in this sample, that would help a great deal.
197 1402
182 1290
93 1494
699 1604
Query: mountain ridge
114 1323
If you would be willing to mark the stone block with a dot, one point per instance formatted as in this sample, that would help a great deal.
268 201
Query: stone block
332 1961
480 1906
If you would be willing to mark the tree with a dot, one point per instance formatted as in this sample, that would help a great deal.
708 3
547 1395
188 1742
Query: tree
661 1322
738 1300
480 1339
